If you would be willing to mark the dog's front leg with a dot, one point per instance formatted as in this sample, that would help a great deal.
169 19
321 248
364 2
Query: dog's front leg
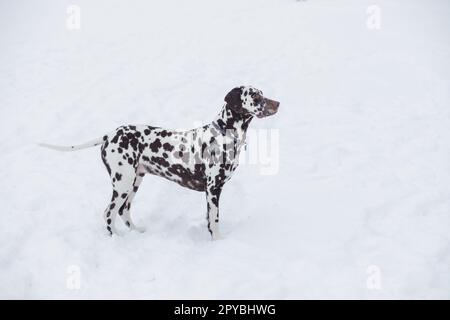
212 200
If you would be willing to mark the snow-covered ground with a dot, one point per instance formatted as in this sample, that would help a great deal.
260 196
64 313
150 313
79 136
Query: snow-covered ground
358 208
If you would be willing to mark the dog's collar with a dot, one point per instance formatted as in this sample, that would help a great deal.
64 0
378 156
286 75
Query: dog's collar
224 131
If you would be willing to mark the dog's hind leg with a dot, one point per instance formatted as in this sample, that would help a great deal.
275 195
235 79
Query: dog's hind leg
124 211
110 215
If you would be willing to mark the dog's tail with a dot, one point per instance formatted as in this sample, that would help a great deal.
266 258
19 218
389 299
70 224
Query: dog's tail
88 144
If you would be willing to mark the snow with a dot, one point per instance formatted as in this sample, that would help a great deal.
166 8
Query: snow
358 208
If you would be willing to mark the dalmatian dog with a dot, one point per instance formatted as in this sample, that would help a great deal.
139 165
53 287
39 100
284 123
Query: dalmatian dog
201 159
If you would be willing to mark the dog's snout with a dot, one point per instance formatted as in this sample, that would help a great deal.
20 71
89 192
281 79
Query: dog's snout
270 108
272 104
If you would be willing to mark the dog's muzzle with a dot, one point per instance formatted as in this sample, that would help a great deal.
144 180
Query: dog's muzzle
270 109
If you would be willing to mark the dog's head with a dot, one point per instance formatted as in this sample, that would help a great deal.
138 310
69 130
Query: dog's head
247 100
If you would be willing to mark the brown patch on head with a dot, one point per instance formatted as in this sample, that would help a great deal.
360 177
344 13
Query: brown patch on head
234 101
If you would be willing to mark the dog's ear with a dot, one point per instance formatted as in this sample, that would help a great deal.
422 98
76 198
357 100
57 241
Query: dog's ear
233 100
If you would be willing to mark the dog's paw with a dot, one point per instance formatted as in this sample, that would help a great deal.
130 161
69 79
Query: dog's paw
216 236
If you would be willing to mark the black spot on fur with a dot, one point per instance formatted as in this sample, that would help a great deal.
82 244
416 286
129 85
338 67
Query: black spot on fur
134 143
124 142
168 147
161 161
108 168
193 180
155 145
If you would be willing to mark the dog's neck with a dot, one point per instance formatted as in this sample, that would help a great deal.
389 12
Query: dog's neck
231 122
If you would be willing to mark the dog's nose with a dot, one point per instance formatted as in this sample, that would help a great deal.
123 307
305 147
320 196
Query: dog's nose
272 104
276 104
